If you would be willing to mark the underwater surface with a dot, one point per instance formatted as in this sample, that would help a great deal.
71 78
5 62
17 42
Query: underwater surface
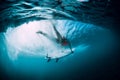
23 51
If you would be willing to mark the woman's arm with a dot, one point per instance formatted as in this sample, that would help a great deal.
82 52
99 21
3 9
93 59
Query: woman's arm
70 46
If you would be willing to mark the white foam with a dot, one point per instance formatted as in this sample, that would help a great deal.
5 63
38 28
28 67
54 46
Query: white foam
24 39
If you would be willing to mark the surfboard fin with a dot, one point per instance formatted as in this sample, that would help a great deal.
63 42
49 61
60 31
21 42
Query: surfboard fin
57 59
48 58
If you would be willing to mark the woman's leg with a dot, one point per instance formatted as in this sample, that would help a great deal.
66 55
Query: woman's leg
46 35
40 32
59 37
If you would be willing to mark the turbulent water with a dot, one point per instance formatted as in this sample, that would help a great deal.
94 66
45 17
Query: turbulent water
26 17
19 40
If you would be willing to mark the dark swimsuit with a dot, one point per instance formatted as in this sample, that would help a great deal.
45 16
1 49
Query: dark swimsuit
64 42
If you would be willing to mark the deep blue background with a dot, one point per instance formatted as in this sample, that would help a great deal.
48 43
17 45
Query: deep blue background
86 67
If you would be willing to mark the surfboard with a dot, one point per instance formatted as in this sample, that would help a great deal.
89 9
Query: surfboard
62 54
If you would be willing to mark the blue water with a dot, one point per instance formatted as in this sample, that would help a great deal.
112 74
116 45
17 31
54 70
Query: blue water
97 40
92 43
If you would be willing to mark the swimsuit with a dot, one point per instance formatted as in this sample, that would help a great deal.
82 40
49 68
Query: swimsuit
64 43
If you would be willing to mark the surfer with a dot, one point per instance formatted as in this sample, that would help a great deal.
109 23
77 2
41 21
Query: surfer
60 39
